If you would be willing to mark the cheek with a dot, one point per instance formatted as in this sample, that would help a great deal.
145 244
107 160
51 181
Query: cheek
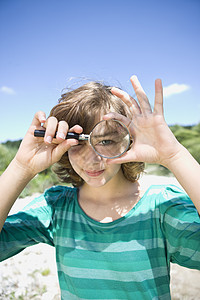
74 156
78 152
114 169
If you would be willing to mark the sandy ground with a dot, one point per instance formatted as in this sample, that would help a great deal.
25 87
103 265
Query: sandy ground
32 273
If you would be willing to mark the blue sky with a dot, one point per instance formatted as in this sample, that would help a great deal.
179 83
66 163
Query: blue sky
44 43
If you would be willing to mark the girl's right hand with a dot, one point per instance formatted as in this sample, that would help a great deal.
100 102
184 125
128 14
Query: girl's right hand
37 154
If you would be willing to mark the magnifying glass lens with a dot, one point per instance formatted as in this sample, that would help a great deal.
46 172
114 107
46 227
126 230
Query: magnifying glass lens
110 138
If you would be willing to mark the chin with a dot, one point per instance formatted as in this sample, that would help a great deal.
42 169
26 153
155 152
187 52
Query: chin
96 183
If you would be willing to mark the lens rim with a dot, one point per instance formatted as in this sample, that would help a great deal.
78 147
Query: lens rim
116 156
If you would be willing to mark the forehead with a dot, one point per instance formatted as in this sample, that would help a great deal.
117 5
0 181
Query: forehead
90 120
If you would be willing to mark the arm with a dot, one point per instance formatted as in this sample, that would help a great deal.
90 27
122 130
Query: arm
153 140
12 183
33 156
187 171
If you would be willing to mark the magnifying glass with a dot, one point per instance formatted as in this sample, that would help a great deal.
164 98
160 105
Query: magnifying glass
108 138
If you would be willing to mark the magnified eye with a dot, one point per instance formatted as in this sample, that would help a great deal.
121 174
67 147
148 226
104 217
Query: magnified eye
109 139
106 143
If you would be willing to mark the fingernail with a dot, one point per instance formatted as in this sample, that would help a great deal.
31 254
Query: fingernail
74 142
61 135
42 119
49 139
134 77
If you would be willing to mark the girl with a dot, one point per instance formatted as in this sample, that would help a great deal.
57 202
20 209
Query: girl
113 241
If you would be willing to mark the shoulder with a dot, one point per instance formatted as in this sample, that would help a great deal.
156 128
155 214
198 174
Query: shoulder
167 192
174 205
57 194
169 197
54 197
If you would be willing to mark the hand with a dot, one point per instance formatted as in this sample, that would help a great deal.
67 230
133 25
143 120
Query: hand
37 154
153 141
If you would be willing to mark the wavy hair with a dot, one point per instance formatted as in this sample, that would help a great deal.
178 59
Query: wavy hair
82 106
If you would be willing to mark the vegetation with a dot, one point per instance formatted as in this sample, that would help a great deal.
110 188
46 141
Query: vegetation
188 136
38 184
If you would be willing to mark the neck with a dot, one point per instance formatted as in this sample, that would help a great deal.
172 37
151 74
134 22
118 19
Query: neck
111 201
116 188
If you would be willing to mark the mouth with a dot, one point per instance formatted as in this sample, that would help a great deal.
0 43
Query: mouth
94 173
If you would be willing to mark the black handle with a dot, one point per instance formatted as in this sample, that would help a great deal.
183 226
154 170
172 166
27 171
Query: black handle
70 135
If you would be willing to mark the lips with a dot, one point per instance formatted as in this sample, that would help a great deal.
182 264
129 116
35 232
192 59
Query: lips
94 173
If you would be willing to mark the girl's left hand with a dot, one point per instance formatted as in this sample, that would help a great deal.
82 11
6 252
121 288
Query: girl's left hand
153 141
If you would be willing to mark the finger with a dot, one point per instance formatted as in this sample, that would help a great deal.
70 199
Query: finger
77 129
126 157
114 115
127 99
141 96
158 105
51 126
126 121
62 130
39 118
62 148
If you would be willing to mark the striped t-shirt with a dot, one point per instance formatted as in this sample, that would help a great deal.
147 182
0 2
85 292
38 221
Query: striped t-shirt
126 259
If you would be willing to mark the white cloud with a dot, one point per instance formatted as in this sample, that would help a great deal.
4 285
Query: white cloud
7 90
175 89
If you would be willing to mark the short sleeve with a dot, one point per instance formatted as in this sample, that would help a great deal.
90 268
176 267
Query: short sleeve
181 227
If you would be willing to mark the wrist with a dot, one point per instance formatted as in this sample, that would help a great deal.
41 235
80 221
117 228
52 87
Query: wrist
176 158
22 171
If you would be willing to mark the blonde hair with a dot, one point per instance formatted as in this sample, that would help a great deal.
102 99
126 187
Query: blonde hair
82 106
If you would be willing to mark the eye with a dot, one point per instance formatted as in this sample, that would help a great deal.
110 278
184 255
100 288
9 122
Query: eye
106 143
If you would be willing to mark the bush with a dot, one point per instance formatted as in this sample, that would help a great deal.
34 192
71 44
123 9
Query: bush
189 136
6 155
40 183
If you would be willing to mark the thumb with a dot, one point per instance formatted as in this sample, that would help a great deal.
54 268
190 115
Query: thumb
62 148
129 156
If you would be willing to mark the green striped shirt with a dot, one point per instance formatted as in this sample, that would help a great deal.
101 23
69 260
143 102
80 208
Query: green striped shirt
126 259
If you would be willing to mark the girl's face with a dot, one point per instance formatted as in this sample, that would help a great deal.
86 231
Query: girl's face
91 167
